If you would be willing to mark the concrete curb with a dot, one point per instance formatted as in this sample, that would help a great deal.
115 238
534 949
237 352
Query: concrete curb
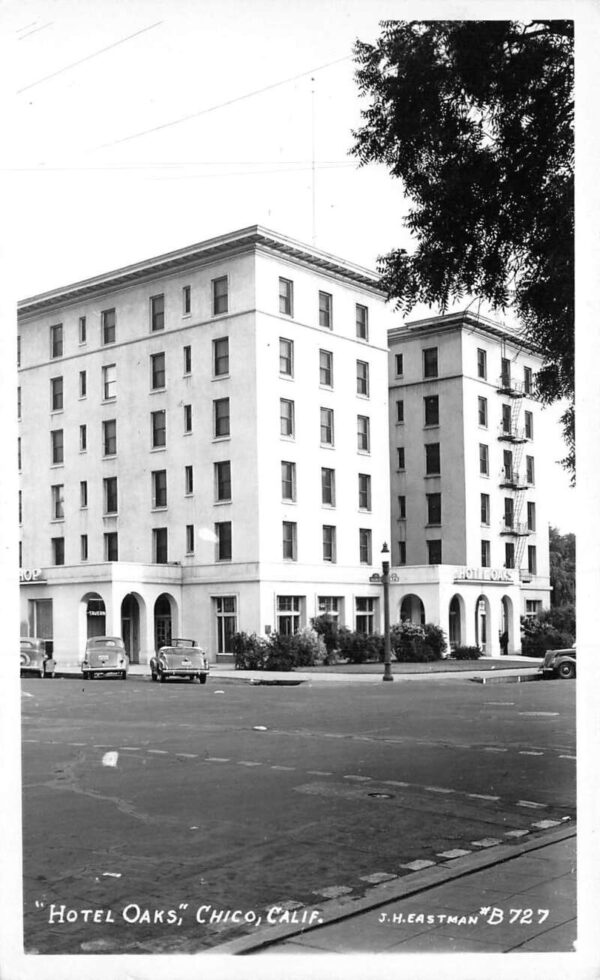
383 894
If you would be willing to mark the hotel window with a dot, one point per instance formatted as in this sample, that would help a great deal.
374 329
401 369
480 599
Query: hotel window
399 411
220 295
430 362
157 312
223 480
19 460
159 488
362 322
56 340
159 545
58 502
402 507
221 356
399 365
509 513
401 457
288 480
111 546
327 427
529 425
432 458
286 417
110 495
82 438
432 410
189 539
58 551
533 607
327 486
56 440
402 552
109 381
530 467
530 515
187 300
329 543
109 437
481 363
485 508
286 297
286 357
19 402
485 554
108 319
189 479
363 434
325 310
326 368
289 611
329 605
223 535
159 429
226 609
482 414
18 350
507 465
365 614
83 547
56 394
82 384
187 359
365 550
289 540
532 559
157 362
434 552
434 508
362 378
509 555
484 460
83 494
187 418
82 330
505 372
506 418
527 380
221 418
364 491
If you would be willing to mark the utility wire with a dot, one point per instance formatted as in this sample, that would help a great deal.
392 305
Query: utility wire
35 31
220 105
94 54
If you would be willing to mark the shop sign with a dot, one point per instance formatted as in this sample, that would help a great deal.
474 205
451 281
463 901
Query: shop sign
484 575
31 575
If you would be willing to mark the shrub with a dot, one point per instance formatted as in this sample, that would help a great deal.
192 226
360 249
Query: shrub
435 638
249 651
538 636
466 653
327 628
359 648
417 644
280 652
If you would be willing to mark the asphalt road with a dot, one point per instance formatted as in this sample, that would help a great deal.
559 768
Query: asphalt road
152 813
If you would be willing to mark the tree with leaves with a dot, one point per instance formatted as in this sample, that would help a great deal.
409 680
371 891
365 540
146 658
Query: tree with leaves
562 568
476 119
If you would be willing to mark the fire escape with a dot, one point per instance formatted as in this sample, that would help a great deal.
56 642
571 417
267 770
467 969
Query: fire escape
511 434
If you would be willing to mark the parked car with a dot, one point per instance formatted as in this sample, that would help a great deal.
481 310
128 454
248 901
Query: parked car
104 655
181 658
37 657
559 663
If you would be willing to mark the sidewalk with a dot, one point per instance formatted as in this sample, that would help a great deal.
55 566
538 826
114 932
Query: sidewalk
520 898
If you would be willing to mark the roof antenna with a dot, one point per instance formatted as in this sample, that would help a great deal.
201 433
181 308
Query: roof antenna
314 225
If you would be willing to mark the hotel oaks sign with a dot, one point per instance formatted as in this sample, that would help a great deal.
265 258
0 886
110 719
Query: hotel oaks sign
484 575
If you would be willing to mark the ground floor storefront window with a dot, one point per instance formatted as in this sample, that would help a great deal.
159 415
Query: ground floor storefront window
365 615
40 618
331 606
289 611
226 611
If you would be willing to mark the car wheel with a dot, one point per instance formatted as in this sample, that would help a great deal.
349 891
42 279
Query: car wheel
162 677
153 676
566 670
124 675
203 678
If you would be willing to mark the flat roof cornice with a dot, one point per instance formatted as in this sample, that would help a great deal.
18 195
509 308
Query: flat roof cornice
464 319
246 239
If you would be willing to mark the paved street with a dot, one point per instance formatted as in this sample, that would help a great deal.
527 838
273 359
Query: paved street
149 803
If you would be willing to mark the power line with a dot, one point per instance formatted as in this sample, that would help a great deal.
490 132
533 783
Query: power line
94 54
29 33
220 105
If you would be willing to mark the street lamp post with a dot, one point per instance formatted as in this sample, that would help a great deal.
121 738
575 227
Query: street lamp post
385 581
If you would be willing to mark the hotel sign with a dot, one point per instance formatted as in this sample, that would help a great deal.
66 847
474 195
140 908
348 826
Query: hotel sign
31 575
484 575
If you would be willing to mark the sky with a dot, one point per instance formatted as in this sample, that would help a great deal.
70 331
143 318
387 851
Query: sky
144 126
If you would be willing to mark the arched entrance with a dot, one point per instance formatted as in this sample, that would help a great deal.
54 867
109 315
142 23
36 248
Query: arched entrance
95 614
482 623
412 610
130 627
455 621
163 621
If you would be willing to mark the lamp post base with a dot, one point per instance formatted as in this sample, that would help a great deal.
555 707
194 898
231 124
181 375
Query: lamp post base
387 676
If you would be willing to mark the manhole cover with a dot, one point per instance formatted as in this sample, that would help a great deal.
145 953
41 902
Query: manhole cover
382 796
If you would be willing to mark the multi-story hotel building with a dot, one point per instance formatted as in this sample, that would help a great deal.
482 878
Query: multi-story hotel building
203 447
468 447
